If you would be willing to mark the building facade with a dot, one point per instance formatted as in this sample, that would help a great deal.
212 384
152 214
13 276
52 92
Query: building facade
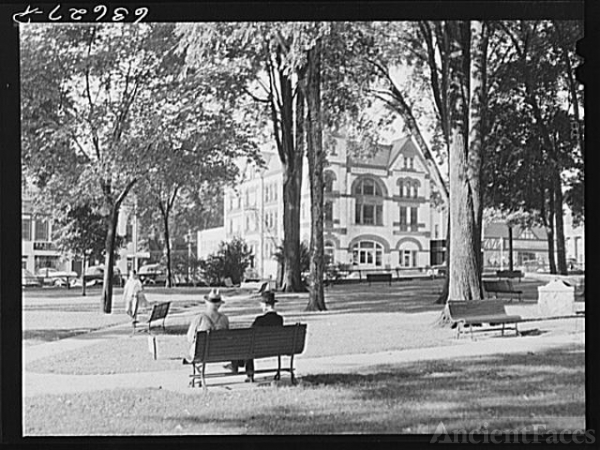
38 250
380 210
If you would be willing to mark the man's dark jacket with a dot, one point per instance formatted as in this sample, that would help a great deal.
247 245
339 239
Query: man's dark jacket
270 319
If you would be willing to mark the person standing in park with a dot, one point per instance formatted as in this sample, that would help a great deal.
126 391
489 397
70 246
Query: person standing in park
134 297
209 319
270 318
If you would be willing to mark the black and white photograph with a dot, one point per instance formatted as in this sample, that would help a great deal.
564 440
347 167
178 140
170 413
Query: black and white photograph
238 221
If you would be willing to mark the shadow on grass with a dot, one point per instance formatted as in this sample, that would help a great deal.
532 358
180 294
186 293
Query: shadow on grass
53 335
502 392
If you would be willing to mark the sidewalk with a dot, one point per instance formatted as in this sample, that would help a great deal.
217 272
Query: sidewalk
177 380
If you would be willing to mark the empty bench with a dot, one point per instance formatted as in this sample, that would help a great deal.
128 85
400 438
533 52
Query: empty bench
509 274
159 312
373 277
473 313
501 287
219 346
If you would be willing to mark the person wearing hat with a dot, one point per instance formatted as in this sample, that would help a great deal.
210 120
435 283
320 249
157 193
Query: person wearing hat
209 319
270 318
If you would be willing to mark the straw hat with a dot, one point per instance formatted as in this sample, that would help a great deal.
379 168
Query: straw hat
214 296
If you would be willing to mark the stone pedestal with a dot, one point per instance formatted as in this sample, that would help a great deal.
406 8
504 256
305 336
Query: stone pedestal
556 299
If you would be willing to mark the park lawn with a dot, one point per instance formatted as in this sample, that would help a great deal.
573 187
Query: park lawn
342 333
494 392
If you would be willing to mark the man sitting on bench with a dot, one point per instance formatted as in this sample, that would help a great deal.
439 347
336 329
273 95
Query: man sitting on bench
210 319
269 319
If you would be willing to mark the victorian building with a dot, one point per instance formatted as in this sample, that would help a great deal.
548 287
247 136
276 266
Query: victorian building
382 209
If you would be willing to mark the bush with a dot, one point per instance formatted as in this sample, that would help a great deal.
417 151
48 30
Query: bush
230 261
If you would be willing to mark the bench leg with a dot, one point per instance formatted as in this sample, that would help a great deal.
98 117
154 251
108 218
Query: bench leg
502 329
471 328
292 370
195 372
517 329
278 374
202 375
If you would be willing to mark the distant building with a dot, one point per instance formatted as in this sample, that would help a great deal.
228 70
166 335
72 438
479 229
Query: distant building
38 250
530 246
380 210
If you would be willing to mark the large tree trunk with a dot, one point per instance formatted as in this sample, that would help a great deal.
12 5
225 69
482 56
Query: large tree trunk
477 106
83 275
109 260
167 234
465 280
316 157
111 236
291 158
465 166
549 223
561 255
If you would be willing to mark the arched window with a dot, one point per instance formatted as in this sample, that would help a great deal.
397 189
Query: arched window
367 186
367 254
369 202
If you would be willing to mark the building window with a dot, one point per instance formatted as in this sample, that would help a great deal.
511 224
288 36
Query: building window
437 231
403 218
367 253
369 203
26 229
23 262
328 212
368 187
329 253
408 258
41 230
414 219
329 178
42 262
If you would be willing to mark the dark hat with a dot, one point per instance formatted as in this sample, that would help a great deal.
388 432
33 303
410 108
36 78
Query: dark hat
267 297
214 296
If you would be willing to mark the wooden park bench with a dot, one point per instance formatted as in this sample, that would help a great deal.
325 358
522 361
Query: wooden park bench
219 346
159 312
501 287
509 274
473 313
373 277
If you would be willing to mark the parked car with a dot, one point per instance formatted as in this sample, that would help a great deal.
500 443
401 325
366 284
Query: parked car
28 279
54 277
153 273
96 273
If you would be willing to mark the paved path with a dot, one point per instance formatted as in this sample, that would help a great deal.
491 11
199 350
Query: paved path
176 380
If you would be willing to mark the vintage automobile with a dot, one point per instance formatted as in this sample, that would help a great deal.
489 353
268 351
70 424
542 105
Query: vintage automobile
28 279
50 276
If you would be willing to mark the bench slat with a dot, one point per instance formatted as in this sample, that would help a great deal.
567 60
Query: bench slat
464 309
249 343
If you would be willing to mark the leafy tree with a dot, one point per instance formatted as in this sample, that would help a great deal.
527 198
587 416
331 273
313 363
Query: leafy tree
82 132
257 53
539 111
198 136
81 232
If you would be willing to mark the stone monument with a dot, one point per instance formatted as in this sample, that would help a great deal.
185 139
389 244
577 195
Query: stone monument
556 299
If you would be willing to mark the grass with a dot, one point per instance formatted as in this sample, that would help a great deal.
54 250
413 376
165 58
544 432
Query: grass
503 392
